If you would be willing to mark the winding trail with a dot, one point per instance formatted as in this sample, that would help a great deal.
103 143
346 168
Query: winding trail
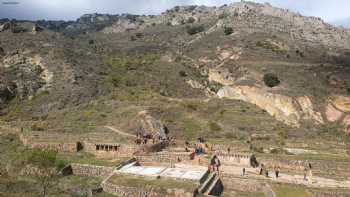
120 132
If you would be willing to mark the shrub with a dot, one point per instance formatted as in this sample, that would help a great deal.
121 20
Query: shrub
183 73
213 126
177 8
191 20
271 80
191 30
228 30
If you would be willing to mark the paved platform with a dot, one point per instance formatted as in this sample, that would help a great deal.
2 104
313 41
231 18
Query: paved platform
154 171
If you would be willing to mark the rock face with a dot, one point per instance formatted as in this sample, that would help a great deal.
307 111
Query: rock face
22 76
342 103
152 126
332 113
121 25
283 108
308 110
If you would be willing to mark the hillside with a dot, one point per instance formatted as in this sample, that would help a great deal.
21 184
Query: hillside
248 76
129 59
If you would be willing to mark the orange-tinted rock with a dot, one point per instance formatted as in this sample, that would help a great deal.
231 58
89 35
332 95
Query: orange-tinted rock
332 113
342 103
346 123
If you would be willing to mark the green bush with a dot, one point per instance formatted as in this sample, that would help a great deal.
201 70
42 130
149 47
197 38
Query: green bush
191 30
191 20
183 73
228 30
213 126
271 80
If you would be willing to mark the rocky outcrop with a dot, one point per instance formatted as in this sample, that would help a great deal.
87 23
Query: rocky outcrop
151 126
23 76
286 109
5 26
220 77
342 103
332 113
36 28
121 25
308 111
280 106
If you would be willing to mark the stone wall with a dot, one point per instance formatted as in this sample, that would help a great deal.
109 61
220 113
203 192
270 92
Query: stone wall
123 191
124 150
235 159
63 147
164 157
91 170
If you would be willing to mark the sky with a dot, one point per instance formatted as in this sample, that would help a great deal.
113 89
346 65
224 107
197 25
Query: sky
328 10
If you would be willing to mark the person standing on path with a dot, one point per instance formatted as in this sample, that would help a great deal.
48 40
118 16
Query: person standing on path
243 172
277 172
305 171
310 176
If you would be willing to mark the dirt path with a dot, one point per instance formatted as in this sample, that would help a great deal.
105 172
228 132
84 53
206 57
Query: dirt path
120 132
318 182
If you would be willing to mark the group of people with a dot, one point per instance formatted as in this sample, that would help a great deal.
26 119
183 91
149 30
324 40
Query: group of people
214 164
264 171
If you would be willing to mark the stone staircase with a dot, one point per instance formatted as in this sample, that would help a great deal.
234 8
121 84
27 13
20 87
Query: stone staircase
207 187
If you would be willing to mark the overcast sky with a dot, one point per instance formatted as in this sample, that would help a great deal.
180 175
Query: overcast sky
329 10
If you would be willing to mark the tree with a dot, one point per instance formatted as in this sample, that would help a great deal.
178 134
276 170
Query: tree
271 80
46 166
228 30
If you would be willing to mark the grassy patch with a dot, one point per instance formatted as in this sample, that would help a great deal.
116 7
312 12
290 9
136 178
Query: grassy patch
191 128
289 191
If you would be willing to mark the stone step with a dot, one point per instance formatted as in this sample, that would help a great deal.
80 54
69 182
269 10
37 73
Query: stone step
213 184
203 188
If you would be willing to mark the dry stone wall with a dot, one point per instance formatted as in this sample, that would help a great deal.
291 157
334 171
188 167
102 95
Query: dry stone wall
91 170
123 191
164 157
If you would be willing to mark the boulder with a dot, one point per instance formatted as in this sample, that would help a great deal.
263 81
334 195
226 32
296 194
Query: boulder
5 26
36 28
